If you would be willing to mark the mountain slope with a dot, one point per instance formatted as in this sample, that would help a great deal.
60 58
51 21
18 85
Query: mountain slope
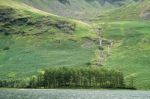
131 51
32 40
133 11
79 9
129 28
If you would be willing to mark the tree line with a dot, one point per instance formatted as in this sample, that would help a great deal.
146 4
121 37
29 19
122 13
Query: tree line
70 77
84 77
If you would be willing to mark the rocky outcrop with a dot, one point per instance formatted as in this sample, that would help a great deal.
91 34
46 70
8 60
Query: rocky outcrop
145 14
66 26
64 1
12 23
5 14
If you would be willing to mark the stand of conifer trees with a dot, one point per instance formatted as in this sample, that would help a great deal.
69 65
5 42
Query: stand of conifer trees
66 77
86 77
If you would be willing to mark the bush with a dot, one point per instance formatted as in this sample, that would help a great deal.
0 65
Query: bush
130 81
6 48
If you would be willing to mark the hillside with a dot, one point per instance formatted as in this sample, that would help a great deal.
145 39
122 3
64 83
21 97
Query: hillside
32 40
131 51
133 11
37 34
129 28
79 9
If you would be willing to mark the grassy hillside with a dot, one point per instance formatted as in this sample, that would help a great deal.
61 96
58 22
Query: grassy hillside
79 9
131 50
32 40
73 8
130 33
133 11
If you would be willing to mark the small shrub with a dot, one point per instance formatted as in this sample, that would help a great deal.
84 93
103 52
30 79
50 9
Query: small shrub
6 33
6 48
88 63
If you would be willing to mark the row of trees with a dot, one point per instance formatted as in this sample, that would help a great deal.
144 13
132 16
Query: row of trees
86 77
12 83
64 77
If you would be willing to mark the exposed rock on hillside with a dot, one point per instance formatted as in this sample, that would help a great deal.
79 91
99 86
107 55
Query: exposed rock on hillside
79 9
64 1
145 15
5 14
12 23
